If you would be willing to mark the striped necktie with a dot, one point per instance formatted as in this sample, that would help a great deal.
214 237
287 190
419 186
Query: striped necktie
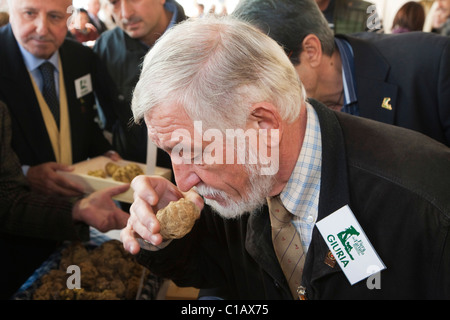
287 244
49 89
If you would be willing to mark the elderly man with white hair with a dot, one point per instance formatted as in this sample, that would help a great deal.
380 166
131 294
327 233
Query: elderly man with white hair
348 203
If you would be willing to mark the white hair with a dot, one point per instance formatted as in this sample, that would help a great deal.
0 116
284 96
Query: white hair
216 69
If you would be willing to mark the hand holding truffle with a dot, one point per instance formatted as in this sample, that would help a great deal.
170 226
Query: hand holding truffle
160 211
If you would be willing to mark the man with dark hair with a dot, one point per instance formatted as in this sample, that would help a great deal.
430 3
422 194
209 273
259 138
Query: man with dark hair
382 79
139 24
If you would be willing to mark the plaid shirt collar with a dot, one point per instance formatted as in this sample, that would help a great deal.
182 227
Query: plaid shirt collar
301 194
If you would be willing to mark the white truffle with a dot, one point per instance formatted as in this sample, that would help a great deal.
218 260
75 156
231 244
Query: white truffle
177 218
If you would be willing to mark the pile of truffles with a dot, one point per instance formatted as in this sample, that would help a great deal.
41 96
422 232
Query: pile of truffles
118 173
107 273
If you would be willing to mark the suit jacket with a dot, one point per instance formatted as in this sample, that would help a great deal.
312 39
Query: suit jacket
413 71
30 139
396 182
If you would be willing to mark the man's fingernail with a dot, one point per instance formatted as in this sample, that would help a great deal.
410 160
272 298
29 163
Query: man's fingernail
154 238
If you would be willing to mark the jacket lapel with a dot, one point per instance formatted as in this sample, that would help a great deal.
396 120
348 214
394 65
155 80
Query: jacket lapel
259 245
377 98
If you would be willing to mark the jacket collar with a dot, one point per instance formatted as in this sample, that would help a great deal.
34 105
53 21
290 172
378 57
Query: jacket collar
258 244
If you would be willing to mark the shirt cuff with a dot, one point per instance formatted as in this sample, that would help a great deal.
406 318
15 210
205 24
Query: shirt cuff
25 169
144 244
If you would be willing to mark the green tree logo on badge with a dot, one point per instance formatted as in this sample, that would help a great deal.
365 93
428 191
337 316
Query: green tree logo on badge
351 234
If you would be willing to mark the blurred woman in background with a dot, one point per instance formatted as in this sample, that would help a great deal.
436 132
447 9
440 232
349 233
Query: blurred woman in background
410 17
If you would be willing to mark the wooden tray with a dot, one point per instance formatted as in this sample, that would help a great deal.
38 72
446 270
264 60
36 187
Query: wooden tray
91 183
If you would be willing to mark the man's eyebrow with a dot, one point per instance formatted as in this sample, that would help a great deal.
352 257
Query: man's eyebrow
55 12
29 9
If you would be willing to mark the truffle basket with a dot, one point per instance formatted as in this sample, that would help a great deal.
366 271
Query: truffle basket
141 284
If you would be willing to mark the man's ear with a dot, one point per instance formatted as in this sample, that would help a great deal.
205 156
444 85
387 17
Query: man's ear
311 51
265 115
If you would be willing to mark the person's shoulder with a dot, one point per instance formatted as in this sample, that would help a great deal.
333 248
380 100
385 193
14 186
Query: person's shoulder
416 39
181 15
111 43
5 39
421 48
424 48
110 36
73 44
4 28
73 49
5 32
404 157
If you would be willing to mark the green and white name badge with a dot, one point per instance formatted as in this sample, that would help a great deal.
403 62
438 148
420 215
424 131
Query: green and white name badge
349 245
83 86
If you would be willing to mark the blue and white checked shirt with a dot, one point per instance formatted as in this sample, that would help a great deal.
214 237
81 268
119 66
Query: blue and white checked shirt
301 194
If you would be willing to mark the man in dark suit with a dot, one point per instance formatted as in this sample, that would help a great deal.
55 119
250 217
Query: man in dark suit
382 79
353 190
44 143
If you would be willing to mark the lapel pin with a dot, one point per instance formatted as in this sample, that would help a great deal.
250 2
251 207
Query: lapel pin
330 260
386 104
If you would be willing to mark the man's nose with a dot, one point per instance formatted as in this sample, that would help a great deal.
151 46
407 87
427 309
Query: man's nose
126 10
41 25
185 176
